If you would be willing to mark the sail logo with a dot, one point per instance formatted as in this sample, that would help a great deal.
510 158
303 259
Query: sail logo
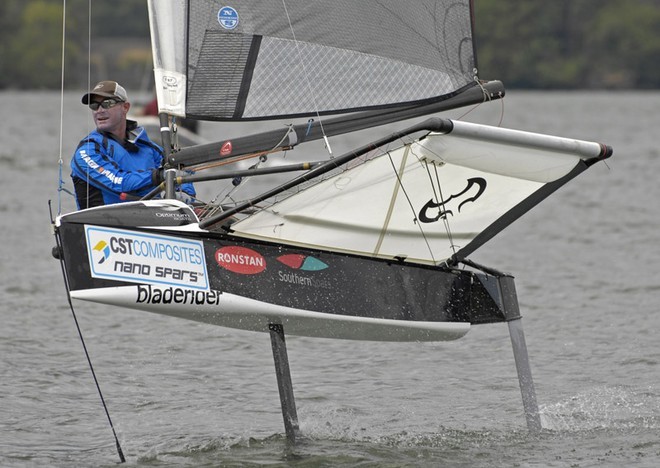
228 17
170 81
104 250
136 257
433 210
240 260
302 262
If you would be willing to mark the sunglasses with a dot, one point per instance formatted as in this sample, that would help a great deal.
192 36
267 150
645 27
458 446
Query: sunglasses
106 104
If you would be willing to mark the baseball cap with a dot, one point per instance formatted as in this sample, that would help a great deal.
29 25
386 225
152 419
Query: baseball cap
107 89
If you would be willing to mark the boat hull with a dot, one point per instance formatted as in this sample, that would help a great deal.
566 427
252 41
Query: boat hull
170 266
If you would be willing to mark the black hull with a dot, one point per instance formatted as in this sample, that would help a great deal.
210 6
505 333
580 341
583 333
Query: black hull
279 279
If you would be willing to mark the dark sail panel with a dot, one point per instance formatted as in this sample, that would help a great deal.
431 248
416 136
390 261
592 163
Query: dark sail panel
218 89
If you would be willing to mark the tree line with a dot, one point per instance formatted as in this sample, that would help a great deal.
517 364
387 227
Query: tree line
598 44
569 43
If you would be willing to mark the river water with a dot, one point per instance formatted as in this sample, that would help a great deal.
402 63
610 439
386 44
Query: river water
587 267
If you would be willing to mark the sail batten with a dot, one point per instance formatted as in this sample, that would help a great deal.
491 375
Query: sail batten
256 59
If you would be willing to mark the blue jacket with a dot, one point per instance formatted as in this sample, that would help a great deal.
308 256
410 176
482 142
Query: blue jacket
114 168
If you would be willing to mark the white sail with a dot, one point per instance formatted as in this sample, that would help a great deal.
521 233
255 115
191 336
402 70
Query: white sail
427 200
167 22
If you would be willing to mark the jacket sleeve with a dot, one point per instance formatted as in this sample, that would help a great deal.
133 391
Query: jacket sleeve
91 161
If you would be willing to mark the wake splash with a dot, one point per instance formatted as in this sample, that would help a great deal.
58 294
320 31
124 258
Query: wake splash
618 407
628 418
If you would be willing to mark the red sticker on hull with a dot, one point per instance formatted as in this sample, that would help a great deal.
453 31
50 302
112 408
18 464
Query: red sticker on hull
240 260
292 260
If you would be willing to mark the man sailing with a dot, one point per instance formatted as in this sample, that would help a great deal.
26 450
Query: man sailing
118 157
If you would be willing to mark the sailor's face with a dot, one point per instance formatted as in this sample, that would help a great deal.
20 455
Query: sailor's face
110 119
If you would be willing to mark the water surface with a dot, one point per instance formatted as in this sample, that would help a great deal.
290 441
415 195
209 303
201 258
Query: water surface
586 263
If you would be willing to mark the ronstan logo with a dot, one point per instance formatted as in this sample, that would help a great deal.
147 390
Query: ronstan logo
240 260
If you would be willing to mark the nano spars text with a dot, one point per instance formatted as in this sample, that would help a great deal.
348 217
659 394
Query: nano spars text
160 272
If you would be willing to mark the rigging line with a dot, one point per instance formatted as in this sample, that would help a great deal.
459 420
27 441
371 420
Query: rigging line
261 155
89 85
484 92
393 197
82 340
60 163
307 81
499 124
445 219
445 222
462 116
225 162
439 198
487 98
410 204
